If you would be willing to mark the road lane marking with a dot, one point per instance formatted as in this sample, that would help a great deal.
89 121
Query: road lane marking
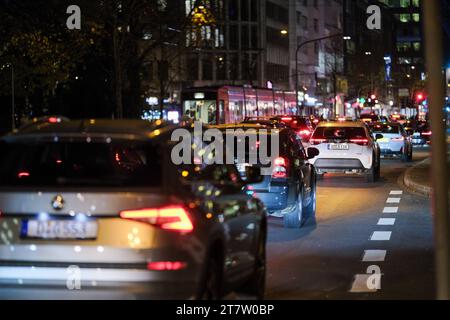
390 210
396 193
360 284
393 200
381 236
386 222
374 255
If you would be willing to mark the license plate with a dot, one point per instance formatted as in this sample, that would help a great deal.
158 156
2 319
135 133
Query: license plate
338 146
59 229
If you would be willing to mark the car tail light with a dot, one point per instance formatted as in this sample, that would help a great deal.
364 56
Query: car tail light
360 142
317 141
428 133
280 170
23 174
304 133
399 139
166 265
174 218
286 119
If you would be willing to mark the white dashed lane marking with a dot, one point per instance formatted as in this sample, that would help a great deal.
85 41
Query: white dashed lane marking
374 255
390 210
381 236
360 281
393 200
386 222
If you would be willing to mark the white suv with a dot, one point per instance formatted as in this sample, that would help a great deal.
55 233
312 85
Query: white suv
346 147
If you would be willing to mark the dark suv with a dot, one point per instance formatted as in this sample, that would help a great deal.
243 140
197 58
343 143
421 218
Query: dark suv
290 191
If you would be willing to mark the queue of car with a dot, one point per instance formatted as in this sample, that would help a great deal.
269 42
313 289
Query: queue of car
99 205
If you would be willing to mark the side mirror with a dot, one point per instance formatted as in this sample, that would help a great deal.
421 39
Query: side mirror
312 153
378 136
253 175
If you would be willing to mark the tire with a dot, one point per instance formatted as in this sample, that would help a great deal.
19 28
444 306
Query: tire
295 219
310 211
373 174
256 285
410 155
211 284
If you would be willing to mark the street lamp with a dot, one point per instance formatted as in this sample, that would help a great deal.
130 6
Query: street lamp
284 32
301 45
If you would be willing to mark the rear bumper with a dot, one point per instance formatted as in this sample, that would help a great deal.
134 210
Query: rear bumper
275 199
25 283
338 165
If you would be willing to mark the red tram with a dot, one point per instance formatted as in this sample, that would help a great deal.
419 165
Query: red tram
228 104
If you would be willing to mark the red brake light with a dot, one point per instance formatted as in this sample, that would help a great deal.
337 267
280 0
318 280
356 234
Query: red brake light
304 133
173 218
23 174
286 119
428 133
280 170
360 142
53 120
166 265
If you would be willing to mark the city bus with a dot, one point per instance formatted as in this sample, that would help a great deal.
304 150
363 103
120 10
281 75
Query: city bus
230 104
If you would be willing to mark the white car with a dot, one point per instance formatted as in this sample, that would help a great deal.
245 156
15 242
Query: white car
346 147
395 142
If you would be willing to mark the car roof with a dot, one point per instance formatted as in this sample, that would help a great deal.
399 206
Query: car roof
342 124
94 127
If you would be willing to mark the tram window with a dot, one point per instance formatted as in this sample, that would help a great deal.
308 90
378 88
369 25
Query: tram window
201 110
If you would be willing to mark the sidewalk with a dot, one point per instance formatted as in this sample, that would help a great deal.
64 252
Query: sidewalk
418 178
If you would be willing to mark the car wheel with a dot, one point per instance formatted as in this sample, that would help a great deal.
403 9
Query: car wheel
410 155
310 211
256 285
211 287
295 218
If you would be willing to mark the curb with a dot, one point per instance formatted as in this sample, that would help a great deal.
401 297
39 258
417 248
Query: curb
422 189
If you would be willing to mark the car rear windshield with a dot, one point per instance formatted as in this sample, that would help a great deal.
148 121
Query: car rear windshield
372 117
80 164
295 122
339 133
386 129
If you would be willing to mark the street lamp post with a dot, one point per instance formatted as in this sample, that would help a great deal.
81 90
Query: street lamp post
301 45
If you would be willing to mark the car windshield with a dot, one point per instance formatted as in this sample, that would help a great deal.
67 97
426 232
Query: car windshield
79 164
339 133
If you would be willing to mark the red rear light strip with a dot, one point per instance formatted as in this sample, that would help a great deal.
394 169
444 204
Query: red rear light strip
173 218
166 265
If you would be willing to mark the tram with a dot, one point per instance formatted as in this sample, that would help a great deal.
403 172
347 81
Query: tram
229 104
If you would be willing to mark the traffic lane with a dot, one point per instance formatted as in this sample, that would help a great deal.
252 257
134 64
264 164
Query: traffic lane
408 270
319 261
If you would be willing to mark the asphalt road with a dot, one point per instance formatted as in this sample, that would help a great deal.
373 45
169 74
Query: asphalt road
325 261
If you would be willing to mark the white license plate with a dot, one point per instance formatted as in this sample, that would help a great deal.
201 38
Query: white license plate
59 229
338 146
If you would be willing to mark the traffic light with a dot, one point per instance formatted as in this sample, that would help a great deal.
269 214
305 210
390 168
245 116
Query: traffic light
420 97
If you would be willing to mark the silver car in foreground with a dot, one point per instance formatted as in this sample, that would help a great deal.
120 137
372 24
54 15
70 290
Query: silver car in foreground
96 210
